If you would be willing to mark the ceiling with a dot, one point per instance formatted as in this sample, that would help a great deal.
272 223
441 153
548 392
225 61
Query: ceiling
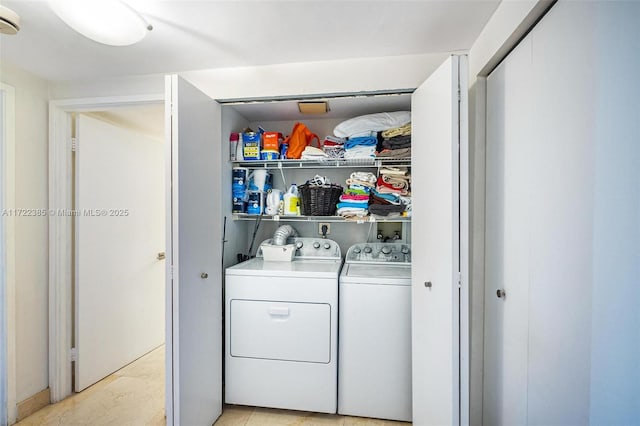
192 35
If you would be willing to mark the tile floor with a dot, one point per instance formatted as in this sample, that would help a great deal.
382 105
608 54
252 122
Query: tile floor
134 396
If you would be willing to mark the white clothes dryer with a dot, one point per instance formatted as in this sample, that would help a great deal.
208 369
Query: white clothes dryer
281 328
374 373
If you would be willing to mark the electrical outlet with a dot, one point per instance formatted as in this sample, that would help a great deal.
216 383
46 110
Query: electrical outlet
321 224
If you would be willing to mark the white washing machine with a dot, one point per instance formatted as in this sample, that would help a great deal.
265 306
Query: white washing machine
281 329
374 373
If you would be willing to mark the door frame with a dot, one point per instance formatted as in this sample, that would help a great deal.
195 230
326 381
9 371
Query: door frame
60 230
8 402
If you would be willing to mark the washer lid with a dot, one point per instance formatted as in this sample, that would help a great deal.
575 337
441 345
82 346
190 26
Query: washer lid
296 268
356 273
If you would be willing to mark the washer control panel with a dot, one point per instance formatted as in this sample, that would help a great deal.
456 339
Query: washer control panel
379 253
312 248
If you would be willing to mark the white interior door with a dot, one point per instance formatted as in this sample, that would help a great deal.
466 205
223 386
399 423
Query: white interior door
119 297
509 208
438 148
194 339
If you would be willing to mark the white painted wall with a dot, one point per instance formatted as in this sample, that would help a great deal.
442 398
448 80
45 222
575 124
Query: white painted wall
615 292
349 75
31 97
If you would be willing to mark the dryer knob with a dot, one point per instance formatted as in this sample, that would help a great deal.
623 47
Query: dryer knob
357 250
299 245
367 250
316 245
386 250
405 250
327 246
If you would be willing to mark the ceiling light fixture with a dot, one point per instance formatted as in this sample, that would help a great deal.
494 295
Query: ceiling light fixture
111 22
313 107
9 21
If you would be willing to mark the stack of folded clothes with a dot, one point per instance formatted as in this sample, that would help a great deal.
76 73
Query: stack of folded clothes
362 133
392 195
360 147
395 143
333 146
394 180
354 202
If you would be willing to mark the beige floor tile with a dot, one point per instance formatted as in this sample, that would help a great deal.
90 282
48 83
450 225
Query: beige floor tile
234 415
132 396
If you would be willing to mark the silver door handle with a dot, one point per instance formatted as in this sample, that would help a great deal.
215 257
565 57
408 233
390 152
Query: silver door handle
161 255
501 293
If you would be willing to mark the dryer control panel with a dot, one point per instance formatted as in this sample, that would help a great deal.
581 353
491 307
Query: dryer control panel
395 253
312 248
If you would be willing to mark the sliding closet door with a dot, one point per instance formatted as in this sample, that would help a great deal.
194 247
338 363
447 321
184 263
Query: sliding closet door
508 215
562 235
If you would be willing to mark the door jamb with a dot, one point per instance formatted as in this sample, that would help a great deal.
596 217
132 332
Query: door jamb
8 412
60 229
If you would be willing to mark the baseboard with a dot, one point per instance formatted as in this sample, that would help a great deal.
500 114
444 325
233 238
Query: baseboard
33 404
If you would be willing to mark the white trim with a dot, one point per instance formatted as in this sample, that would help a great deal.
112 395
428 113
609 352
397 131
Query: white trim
170 413
60 229
464 348
8 412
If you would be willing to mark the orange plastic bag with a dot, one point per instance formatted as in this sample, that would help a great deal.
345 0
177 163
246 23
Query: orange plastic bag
298 140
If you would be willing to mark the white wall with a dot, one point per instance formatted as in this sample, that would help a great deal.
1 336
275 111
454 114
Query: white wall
349 75
31 165
615 317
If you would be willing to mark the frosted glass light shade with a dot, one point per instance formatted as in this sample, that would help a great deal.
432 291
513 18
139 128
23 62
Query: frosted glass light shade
108 22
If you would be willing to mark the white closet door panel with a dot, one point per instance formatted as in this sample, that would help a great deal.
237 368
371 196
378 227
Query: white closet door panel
119 294
435 236
196 228
509 145
562 215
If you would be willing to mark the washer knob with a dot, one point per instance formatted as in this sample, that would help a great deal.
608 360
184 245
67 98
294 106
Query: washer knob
357 250
299 244
386 250
405 250
367 250
316 245
327 246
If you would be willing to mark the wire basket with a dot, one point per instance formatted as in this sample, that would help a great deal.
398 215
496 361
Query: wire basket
319 200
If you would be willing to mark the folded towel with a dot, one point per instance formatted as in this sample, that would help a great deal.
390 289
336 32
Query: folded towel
397 142
394 153
385 210
360 152
333 140
397 131
393 182
360 141
357 191
312 153
394 171
353 197
382 198
352 212
364 177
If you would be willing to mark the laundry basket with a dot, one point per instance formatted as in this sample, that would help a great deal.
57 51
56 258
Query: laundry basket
319 200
